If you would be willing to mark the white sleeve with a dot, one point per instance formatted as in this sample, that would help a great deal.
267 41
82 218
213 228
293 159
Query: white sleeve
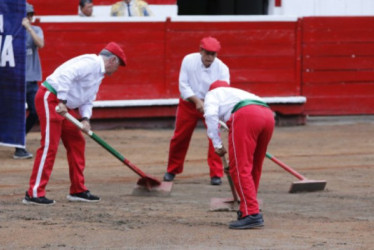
184 86
211 108
65 80
70 74
225 73
86 110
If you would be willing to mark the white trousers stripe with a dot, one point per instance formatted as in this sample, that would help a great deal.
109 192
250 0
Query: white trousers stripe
46 145
237 165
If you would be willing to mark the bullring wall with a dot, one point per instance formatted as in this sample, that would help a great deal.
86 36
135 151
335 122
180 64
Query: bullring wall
327 60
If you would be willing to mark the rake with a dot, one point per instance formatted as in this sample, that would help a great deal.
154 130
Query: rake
145 180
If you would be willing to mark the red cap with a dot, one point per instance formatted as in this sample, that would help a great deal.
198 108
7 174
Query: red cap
116 50
218 84
210 44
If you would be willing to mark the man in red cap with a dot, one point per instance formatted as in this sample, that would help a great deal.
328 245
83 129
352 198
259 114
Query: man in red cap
251 124
197 72
73 85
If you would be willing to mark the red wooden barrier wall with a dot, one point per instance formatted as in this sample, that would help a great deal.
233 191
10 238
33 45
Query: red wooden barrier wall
144 45
338 65
328 60
261 56
55 7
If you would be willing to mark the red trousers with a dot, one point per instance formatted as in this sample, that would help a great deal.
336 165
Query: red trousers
250 131
186 120
53 128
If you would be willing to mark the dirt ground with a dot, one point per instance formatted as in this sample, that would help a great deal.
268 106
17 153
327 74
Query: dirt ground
338 150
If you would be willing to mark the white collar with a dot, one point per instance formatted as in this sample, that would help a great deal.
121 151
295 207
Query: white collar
203 66
102 65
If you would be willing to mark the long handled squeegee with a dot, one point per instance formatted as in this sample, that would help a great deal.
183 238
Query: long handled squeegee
145 180
304 185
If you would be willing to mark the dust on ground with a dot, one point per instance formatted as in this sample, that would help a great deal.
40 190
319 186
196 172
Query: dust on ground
340 217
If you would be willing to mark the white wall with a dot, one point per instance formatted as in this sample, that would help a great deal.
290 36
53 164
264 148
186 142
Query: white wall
157 10
323 8
288 8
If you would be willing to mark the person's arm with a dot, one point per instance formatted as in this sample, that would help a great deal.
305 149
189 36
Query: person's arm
184 85
225 73
213 130
77 70
39 41
66 79
69 75
86 124
211 111
185 88
86 110
62 110
145 9
199 104
115 9
213 133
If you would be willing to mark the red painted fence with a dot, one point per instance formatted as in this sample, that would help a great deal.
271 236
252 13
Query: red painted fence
55 7
330 61
338 65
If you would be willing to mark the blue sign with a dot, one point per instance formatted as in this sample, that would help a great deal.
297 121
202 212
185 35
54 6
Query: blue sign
12 73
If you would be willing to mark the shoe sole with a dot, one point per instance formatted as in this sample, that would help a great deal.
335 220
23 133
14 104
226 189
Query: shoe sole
26 202
168 180
215 184
22 157
78 199
253 226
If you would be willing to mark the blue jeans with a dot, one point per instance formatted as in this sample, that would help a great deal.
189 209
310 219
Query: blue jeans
32 118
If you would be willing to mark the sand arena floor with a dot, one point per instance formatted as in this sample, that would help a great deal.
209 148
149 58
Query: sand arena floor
340 151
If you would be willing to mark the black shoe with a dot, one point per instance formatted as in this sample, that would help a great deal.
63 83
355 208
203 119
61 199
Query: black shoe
37 201
85 196
239 213
215 181
21 153
169 176
248 222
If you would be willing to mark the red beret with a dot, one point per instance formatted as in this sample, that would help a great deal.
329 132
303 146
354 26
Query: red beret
210 44
218 84
116 50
